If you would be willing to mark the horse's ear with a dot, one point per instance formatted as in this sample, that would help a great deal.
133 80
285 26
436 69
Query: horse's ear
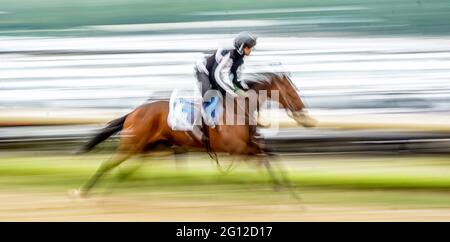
286 75
276 76
281 76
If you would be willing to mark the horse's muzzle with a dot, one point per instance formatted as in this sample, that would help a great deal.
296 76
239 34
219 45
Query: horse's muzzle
304 119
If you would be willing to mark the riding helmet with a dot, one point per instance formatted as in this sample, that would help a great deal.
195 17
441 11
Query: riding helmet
244 39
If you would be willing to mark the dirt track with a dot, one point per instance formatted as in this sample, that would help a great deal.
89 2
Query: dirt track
33 206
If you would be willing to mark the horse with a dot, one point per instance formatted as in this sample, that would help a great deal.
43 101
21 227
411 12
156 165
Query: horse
146 127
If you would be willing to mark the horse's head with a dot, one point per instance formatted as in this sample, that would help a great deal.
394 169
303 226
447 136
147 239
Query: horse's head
288 97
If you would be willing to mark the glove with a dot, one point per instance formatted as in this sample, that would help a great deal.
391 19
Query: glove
240 92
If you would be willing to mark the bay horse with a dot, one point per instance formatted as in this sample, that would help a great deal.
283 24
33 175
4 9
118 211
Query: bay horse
147 126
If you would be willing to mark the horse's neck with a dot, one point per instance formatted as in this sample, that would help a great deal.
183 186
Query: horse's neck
248 107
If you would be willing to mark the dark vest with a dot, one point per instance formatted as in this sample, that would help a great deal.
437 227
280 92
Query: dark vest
211 65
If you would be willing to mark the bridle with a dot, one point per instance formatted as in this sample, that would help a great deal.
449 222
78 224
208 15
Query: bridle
289 105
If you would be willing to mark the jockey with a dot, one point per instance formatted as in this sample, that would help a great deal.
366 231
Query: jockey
221 70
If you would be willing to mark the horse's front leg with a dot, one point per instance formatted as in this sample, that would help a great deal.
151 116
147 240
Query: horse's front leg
278 176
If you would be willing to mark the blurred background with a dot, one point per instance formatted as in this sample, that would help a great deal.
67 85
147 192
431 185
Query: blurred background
374 73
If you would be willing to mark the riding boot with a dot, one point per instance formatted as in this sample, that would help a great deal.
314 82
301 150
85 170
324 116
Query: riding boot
207 142
205 114
207 122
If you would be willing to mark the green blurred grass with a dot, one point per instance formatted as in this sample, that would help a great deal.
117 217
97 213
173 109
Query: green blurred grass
393 181
421 172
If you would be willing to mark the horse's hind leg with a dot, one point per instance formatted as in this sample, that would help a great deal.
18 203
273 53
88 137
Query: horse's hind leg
155 149
123 174
106 166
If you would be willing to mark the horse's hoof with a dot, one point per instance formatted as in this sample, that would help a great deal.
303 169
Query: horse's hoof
78 151
305 120
277 187
76 193
309 122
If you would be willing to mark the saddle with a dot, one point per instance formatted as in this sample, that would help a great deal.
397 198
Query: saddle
185 111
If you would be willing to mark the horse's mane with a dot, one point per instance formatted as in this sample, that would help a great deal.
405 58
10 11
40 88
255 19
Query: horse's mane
256 79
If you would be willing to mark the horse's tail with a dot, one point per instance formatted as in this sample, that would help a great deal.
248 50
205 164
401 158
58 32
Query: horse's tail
113 127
